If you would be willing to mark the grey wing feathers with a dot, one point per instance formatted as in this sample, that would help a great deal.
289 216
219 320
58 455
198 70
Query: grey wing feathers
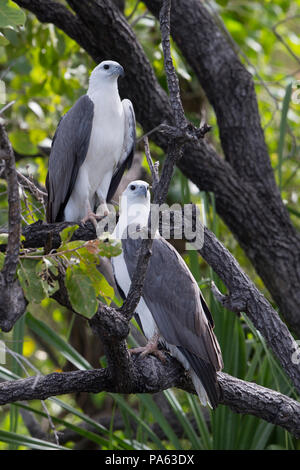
69 148
175 301
128 148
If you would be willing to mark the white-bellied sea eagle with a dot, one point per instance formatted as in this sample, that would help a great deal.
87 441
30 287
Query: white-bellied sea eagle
93 145
172 311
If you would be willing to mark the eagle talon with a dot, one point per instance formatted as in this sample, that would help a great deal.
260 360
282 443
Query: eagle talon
92 217
150 348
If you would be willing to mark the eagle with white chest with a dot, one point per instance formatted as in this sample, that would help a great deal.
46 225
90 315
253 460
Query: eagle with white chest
172 311
93 145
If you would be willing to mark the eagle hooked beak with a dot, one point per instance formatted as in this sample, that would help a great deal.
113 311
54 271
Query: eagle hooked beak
143 190
121 71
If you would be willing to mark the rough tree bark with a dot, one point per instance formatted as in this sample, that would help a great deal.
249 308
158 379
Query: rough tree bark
246 195
242 397
12 300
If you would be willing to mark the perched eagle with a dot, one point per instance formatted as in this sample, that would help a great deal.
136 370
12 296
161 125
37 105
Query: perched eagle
172 310
93 145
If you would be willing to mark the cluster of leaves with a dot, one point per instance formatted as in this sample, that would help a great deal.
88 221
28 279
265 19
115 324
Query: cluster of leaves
38 272
11 16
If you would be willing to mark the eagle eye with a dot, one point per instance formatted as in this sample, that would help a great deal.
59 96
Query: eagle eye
106 66
132 187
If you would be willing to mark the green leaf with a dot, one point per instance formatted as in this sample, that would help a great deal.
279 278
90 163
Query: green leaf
32 284
3 238
2 259
158 415
124 406
28 441
106 290
21 143
35 278
109 248
72 248
99 282
67 233
49 265
200 420
91 436
3 40
10 14
81 291
7 374
183 419
44 268
97 426
12 36
282 130
293 211
263 432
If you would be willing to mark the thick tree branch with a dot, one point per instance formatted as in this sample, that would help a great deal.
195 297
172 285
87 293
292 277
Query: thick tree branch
14 208
249 398
153 376
12 301
245 297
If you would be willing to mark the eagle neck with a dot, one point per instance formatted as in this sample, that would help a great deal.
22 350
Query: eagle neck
106 92
137 215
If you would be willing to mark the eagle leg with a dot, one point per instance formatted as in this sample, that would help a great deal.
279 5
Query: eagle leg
150 348
92 217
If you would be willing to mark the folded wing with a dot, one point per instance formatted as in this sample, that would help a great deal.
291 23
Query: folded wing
69 149
179 310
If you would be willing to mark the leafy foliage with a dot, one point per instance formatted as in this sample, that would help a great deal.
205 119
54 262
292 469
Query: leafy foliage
10 14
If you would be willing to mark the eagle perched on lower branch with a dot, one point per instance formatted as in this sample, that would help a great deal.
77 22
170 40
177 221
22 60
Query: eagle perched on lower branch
172 311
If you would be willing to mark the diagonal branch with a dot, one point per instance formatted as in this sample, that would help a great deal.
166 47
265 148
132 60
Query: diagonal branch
172 79
245 297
